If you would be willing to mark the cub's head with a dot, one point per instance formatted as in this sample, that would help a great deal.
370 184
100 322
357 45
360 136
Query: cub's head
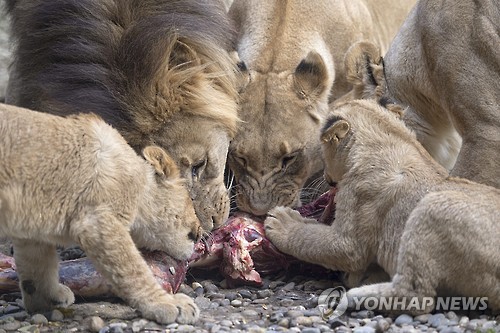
276 148
167 220
355 135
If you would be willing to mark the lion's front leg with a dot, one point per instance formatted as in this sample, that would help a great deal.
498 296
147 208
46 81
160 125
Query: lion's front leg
38 269
116 256
313 242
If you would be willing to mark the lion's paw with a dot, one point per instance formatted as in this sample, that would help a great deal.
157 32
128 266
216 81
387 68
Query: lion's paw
277 226
39 299
188 310
176 308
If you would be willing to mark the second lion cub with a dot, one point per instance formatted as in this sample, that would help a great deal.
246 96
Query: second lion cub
397 208
76 180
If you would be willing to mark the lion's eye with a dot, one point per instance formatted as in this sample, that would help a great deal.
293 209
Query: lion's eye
197 168
241 160
287 160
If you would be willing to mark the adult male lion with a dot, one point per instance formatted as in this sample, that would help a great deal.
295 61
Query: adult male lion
445 64
158 71
292 63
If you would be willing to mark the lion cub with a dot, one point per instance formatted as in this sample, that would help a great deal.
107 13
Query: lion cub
75 180
398 208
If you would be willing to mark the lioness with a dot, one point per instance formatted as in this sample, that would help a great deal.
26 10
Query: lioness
158 71
398 208
292 55
445 64
77 180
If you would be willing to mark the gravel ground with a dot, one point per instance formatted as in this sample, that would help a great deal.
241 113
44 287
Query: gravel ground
286 303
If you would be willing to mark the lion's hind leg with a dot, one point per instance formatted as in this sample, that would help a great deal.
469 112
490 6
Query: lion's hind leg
37 267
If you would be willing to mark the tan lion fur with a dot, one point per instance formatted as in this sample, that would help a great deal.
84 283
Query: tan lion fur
76 180
158 71
397 208
292 64
445 64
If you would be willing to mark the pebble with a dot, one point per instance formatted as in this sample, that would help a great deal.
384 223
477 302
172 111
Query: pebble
236 303
438 319
95 324
246 293
39 319
382 325
264 293
289 286
11 325
364 329
56 315
403 319
311 330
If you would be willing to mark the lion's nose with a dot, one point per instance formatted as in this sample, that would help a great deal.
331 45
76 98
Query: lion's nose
195 234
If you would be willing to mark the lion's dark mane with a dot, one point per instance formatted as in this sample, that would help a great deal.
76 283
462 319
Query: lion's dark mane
74 56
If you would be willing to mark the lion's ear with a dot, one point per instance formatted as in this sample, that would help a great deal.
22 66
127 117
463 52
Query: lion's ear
311 75
164 165
335 130
364 70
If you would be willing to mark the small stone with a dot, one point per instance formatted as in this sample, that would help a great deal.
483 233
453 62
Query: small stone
203 302
286 302
293 313
284 322
452 315
95 323
363 314
275 284
463 321
264 293
437 320
289 286
39 319
213 296
209 286
249 313
303 320
403 319
56 315
451 329
231 295
382 325
276 316
473 324
215 328
246 293
311 330
197 288
224 302
11 309
363 329
185 328
489 325
236 303
226 323
29 329
408 329
11 325
336 322
422 318
343 329
256 329
138 325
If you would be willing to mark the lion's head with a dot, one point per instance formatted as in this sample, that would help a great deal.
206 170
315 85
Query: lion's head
158 71
167 220
275 152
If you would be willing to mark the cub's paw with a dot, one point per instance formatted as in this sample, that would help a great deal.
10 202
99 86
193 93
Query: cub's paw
40 299
188 310
277 226
174 308
287 215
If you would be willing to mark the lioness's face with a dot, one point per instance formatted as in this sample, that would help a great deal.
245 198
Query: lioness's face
277 146
199 147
